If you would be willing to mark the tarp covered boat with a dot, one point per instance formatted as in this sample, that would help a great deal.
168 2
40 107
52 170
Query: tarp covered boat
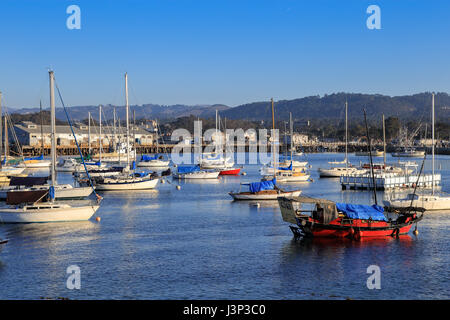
325 218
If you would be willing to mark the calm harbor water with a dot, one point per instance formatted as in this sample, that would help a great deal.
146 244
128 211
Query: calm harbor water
195 243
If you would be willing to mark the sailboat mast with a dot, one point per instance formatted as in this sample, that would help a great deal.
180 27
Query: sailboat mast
114 129
370 156
128 125
384 143
42 127
89 132
6 139
432 142
134 134
1 133
346 134
100 132
291 125
273 140
52 122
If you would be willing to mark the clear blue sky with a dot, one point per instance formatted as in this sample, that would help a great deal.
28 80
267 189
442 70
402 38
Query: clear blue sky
220 51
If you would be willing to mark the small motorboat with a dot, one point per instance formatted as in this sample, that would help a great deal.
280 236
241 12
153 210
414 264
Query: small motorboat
263 190
230 172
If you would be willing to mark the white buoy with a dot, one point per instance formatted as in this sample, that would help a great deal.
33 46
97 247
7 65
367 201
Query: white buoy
178 187
244 173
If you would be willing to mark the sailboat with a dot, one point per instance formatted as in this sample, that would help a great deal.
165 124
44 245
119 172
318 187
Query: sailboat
194 172
36 162
128 180
337 171
287 162
52 211
216 160
266 189
431 201
155 161
6 170
289 173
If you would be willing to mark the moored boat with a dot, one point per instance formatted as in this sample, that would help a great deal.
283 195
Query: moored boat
314 217
155 161
263 190
194 172
230 172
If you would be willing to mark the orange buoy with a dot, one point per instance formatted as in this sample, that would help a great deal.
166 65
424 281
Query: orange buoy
98 219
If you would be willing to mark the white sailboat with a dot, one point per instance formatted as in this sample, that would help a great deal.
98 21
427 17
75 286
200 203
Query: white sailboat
6 170
288 173
128 180
430 202
268 189
156 161
216 160
194 172
337 171
52 211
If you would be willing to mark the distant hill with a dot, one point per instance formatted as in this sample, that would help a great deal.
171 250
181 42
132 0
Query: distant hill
147 111
415 107
332 106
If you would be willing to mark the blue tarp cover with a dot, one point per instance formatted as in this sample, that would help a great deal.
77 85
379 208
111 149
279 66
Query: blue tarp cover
98 163
360 211
188 169
51 192
41 157
287 168
145 157
262 185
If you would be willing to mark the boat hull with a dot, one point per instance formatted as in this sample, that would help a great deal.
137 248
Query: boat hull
197 175
65 213
430 205
62 192
231 172
336 173
154 164
34 164
263 196
131 184
345 227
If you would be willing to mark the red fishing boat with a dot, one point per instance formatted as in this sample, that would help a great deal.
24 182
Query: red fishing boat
325 218
230 172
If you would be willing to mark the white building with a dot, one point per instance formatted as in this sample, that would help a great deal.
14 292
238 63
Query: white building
29 134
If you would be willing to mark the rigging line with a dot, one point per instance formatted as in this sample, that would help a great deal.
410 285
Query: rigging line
13 132
76 142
